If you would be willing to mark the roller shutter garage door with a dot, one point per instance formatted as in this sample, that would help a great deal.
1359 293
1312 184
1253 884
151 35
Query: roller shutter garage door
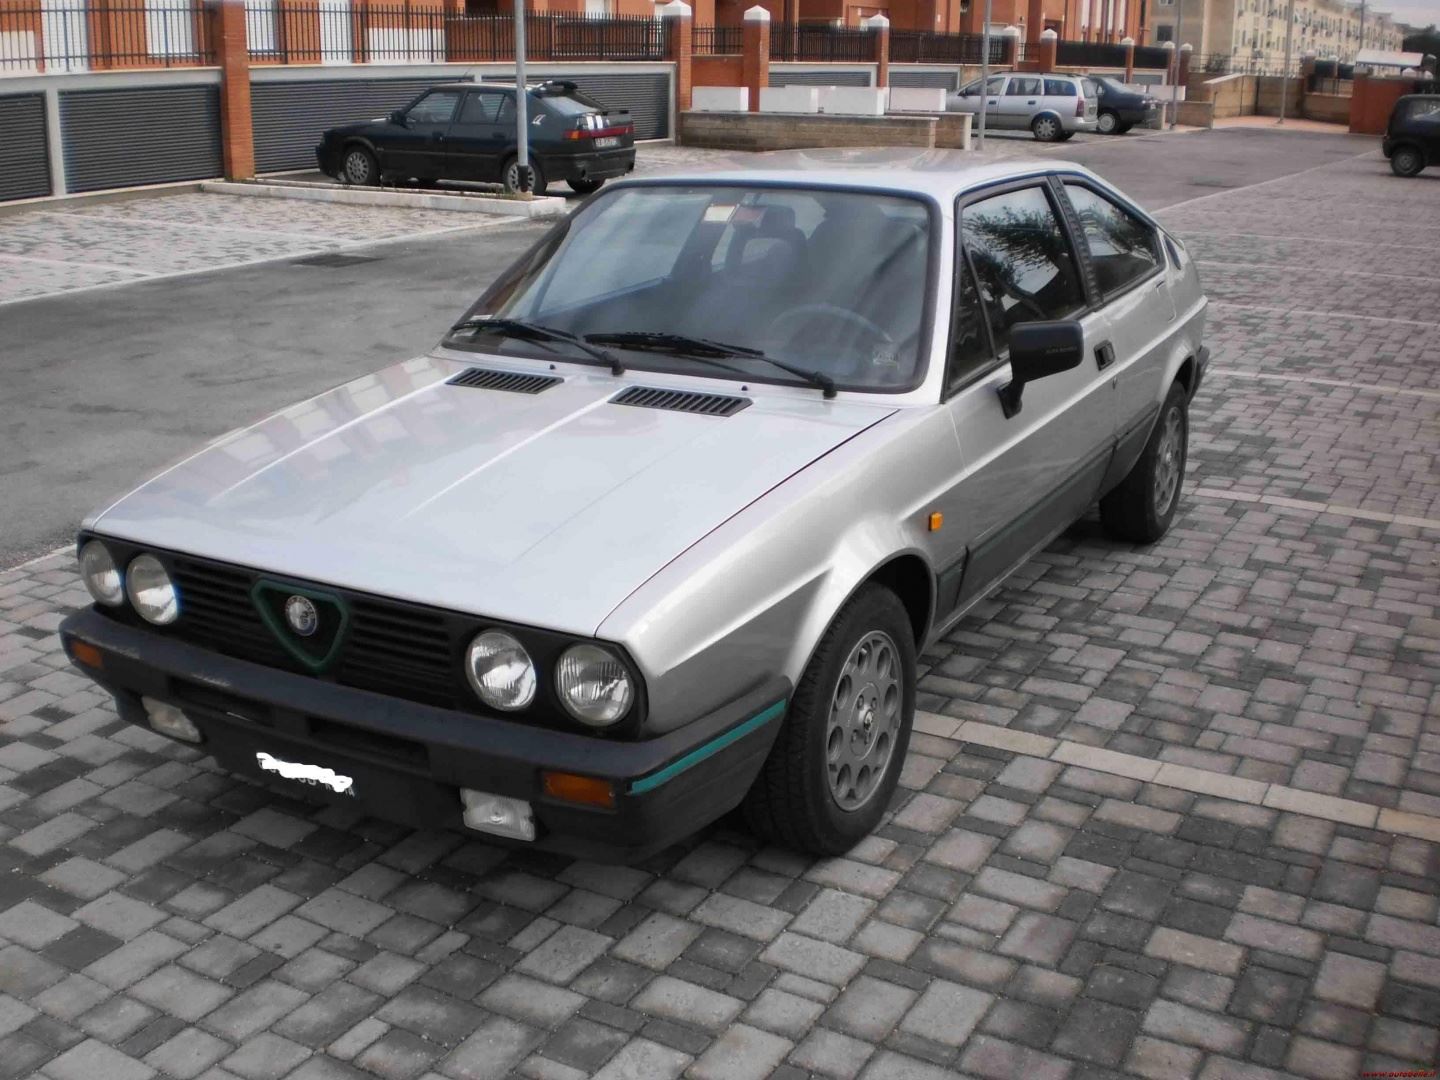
149 135
290 117
647 96
819 78
942 79
24 160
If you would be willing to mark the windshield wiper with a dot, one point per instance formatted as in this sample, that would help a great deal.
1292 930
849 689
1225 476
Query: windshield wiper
706 349
528 331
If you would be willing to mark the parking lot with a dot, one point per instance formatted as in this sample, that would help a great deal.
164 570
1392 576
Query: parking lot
1168 812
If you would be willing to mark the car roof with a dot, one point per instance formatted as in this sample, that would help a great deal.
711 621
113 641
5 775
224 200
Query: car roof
939 174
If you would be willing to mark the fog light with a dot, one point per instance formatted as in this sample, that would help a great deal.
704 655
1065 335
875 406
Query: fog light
169 720
497 814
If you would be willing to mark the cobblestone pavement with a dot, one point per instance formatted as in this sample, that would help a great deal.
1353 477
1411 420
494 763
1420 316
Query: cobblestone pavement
1137 832
62 248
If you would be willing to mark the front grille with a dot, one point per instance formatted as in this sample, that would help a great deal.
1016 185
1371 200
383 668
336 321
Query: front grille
651 397
515 382
389 648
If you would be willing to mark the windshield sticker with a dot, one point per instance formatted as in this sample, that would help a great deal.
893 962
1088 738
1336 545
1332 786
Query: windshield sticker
719 213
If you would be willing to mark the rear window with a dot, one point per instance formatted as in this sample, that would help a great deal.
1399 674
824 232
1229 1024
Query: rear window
571 104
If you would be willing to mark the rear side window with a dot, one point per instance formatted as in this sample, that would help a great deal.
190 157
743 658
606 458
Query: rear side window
1424 109
1059 88
1024 268
1021 86
1123 249
481 108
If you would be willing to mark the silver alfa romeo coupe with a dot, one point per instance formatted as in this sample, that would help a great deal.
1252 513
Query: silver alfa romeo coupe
660 526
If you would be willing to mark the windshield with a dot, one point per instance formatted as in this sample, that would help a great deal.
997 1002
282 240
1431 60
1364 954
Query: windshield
833 282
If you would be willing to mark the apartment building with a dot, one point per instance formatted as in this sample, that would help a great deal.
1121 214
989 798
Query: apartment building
1251 33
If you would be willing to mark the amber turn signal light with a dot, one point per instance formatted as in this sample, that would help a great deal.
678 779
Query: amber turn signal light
82 652
585 790
937 519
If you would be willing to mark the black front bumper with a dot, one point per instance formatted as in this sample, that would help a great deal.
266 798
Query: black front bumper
408 761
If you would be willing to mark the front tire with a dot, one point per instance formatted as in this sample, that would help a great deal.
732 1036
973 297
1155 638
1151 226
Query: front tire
1046 128
1143 505
835 764
359 167
1108 123
1407 161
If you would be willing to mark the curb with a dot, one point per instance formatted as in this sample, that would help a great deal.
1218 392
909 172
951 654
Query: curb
544 207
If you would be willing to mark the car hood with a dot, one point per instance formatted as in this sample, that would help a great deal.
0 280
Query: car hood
545 509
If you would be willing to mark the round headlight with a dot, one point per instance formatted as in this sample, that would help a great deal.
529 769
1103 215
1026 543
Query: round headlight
151 591
102 576
594 685
500 670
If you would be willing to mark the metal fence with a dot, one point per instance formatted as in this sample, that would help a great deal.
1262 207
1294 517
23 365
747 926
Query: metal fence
71 35
922 47
821 44
717 40
324 32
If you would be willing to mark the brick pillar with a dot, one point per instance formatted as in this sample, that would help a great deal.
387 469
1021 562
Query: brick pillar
1093 33
679 46
1034 21
879 27
755 53
1129 44
237 140
1182 66
1049 49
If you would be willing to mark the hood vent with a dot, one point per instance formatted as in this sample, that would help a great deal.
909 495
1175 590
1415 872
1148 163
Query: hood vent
650 397
515 382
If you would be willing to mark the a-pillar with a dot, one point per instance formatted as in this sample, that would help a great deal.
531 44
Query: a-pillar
679 47
1129 44
1049 48
755 53
232 56
879 27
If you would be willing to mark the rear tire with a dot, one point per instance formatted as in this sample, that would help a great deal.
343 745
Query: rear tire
1108 123
1143 505
1407 161
359 167
585 187
1046 128
835 764
510 177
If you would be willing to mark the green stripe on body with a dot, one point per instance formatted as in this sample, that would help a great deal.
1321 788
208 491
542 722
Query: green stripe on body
705 750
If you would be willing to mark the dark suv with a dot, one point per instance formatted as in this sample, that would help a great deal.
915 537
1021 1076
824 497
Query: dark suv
466 131
1120 107
1412 138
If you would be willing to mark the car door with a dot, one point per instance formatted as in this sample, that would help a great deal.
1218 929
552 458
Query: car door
477 142
967 99
1025 477
1133 279
417 146
1020 101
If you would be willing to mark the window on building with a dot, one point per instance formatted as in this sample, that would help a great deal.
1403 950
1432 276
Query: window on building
1164 32
169 28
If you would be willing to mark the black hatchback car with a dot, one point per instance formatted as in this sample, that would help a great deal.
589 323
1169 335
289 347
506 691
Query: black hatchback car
1120 108
466 131
1412 138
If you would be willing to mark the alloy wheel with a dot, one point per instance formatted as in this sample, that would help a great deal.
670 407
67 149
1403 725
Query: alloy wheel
864 720
1168 461
1107 123
357 167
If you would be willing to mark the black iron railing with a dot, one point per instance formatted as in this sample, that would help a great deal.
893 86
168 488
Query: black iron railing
72 35
921 47
717 40
821 44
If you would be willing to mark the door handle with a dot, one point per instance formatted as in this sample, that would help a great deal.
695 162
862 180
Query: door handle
1104 355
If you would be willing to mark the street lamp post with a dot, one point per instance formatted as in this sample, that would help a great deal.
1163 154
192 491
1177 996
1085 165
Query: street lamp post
1175 81
522 101
984 73
1285 72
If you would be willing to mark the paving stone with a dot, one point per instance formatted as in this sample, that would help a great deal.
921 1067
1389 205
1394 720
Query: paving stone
1181 1023
870 1008
832 1054
946 1013
1097 1032
1349 980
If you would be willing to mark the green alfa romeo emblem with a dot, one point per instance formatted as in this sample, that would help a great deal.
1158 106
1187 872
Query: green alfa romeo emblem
309 625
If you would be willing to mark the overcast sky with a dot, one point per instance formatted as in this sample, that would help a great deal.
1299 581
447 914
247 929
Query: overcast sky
1414 12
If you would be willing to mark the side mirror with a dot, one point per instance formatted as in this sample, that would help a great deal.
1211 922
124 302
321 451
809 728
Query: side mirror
398 117
1038 349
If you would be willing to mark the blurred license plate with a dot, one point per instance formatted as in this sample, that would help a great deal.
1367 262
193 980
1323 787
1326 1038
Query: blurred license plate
607 143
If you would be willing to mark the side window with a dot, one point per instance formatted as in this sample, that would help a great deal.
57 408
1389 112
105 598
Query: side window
1123 249
507 109
1023 86
481 107
1024 268
1059 88
435 108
